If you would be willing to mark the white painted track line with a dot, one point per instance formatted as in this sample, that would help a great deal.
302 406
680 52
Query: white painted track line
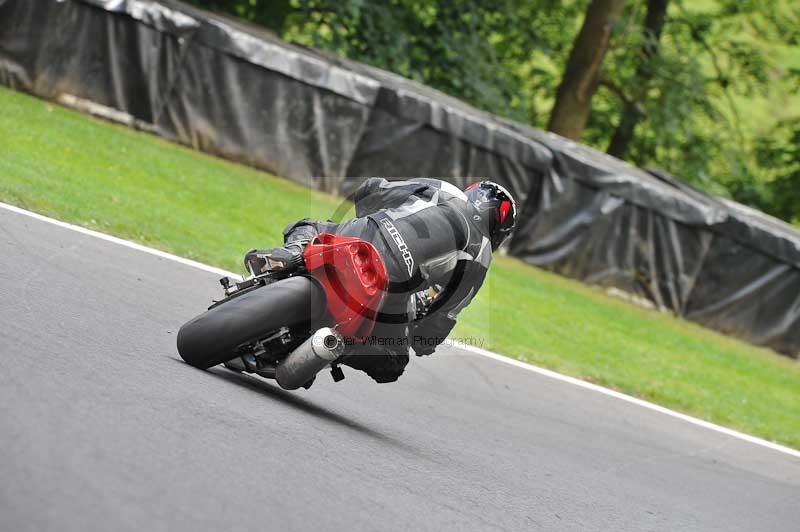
120 241
472 349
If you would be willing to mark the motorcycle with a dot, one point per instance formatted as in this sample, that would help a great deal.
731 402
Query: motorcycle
289 321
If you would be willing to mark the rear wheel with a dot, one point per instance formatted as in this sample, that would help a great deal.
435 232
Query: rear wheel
215 336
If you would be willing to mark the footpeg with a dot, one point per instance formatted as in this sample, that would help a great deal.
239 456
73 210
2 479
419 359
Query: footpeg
337 373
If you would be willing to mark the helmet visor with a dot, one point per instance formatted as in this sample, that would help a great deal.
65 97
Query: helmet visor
504 210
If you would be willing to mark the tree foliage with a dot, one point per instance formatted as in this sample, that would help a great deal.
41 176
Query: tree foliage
779 155
708 92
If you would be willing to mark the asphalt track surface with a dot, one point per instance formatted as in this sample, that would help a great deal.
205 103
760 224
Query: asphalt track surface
103 427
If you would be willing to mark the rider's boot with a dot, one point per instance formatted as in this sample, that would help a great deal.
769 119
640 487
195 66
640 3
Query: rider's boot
380 363
285 258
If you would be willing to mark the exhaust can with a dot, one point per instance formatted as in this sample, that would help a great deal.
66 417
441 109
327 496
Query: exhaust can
313 355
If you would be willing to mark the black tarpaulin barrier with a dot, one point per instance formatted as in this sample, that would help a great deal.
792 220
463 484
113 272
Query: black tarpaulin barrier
236 90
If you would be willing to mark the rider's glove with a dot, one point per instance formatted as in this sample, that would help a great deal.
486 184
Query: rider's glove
424 299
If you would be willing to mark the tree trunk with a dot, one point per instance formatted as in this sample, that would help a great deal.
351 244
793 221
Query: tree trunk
653 25
582 72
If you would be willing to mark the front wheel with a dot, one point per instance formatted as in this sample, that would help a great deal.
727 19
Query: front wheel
215 336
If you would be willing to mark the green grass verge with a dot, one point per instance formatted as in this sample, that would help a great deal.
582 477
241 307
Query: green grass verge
137 186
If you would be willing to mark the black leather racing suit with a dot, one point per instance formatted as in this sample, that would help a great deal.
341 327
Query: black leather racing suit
429 235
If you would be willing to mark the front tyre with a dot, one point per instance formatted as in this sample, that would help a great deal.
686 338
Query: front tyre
215 336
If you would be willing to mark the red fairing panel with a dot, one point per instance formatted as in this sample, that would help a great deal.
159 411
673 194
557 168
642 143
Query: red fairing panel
354 278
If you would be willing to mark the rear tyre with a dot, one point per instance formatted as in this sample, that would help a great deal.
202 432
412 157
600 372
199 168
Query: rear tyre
215 336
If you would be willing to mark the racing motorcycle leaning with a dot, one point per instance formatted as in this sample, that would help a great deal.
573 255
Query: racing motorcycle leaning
362 293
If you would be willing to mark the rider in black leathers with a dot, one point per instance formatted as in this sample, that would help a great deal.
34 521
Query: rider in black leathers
437 243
